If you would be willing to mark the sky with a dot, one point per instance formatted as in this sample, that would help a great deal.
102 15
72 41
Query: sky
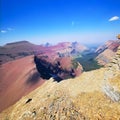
41 21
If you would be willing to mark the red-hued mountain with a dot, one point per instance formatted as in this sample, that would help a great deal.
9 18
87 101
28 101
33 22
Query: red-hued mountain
94 95
64 49
60 68
107 51
16 50
17 78
111 44
70 45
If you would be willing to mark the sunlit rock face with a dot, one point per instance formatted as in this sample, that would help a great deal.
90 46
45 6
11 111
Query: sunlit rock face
114 65
112 77
118 36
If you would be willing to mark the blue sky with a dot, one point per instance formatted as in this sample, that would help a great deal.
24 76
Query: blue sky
41 21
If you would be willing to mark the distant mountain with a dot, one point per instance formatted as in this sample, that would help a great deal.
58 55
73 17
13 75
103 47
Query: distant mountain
12 51
111 44
70 49
78 46
47 44
16 50
107 51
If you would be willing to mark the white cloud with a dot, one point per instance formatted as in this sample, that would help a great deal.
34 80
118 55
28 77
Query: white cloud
114 18
6 30
3 31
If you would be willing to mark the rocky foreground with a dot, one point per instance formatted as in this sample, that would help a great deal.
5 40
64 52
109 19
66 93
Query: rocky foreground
93 95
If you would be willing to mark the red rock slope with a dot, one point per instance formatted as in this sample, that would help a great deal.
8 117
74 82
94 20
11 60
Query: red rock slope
17 78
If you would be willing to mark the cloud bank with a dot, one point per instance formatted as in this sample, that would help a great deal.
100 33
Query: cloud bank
6 30
3 31
114 18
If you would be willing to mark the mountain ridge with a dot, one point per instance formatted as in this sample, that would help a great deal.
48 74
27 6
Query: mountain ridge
107 51
16 50
83 97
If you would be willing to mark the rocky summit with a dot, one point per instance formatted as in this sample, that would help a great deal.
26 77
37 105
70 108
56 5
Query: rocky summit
94 95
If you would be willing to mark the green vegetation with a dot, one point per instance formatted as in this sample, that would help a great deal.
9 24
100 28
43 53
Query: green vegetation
88 62
75 64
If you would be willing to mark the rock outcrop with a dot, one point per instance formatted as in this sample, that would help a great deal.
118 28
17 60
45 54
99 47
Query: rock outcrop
114 65
118 36
112 70
59 68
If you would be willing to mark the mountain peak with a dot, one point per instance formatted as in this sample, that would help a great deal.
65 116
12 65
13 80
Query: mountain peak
19 42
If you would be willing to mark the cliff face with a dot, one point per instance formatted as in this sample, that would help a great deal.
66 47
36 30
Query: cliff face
59 68
92 95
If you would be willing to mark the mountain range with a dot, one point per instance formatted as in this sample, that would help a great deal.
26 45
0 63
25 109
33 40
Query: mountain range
27 94
16 50
107 51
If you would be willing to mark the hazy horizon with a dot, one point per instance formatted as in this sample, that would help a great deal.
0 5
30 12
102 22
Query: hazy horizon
41 21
